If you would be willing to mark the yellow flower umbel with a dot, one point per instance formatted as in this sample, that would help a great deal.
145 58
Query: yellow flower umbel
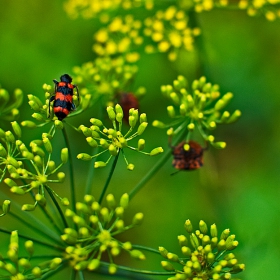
94 8
170 31
113 140
200 107
205 255
95 233
121 36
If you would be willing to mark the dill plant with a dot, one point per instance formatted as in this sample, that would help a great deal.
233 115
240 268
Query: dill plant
83 235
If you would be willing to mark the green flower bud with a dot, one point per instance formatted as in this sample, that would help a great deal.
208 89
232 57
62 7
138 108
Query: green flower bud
10 268
16 128
6 206
86 131
104 144
231 245
119 225
196 266
194 241
119 211
99 164
225 234
17 190
58 124
64 155
28 207
191 126
111 202
183 241
137 254
163 251
51 166
186 251
3 151
111 113
143 118
112 269
234 117
65 201
36 271
10 137
175 98
156 151
24 263
47 144
86 101
171 111
124 200
188 226
55 263
158 124
137 219
119 112
84 232
225 116
141 144
40 199
10 182
84 156
113 150
183 109
142 128
213 230
96 122
172 257
79 220
29 247
203 227
39 117
132 121
95 206
219 145
27 155
28 124
93 264
61 176
34 105
221 245
38 160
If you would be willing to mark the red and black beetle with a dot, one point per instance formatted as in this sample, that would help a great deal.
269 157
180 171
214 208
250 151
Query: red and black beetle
63 98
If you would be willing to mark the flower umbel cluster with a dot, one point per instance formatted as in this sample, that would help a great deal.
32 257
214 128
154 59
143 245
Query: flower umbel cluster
106 79
169 30
9 104
15 268
95 231
112 140
205 255
201 108
121 36
30 169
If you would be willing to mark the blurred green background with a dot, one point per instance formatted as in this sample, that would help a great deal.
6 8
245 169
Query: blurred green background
238 188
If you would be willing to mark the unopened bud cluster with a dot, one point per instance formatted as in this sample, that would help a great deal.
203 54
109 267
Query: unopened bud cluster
21 268
112 139
205 254
9 104
201 108
29 168
94 232
105 78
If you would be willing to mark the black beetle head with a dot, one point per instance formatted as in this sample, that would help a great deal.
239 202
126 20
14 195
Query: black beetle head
66 78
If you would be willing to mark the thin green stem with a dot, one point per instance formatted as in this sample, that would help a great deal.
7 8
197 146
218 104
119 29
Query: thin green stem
72 185
109 177
141 271
90 176
57 207
156 167
49 274
144 248
35 240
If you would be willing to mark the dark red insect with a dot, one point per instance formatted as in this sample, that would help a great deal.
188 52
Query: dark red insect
63 98
188 160
128 101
